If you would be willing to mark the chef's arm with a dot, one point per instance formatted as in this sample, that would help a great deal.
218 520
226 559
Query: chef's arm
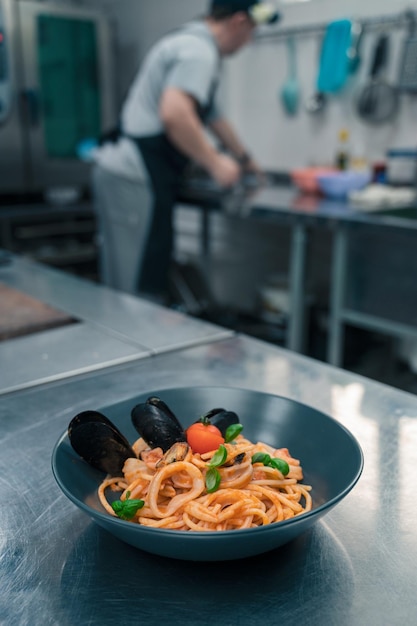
228 137
183 127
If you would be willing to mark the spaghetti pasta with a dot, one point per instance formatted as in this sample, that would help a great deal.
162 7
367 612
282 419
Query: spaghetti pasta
175 496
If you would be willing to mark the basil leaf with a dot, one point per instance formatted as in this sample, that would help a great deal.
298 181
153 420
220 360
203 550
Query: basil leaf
280 465
126 509
219 457
131 507
212 480
232 432
117 507
261 457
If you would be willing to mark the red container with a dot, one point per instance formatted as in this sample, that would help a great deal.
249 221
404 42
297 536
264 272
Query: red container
306 179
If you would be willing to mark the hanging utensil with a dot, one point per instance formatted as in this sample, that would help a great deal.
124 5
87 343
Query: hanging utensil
408 69
290 92
354 51
334 63
378 100
317 101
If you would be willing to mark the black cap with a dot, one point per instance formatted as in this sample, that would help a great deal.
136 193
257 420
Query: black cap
259 12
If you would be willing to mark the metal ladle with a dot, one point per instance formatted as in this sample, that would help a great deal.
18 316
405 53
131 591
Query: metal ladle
290 92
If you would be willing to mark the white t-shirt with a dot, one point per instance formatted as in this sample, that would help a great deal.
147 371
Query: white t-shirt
188 59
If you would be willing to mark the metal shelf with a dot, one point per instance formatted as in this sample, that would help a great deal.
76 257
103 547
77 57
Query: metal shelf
33 231
61 237
378 324
64 257
391 21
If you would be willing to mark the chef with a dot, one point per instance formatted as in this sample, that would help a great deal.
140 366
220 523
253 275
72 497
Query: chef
163 122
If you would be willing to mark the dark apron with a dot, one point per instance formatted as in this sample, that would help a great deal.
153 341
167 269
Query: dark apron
165 165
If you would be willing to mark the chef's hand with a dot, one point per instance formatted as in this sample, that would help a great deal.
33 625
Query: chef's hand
250 166
225 170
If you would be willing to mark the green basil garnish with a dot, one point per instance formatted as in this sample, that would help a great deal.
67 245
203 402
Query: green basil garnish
126 509
219 457
261 457
232 432
280 465
212 480
265 459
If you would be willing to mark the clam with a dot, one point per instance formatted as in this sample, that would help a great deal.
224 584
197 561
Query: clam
99 442
157 424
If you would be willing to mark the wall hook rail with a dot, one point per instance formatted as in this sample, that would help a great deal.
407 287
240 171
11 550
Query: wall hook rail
391 21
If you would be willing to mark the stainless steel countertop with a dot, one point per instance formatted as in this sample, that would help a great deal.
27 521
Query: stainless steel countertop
282 200
356 567
58 353
114 327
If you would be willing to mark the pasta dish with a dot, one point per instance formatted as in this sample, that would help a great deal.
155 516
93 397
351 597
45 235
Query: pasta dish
240 485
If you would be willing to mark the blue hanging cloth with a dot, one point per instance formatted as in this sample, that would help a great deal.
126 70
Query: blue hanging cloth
334 60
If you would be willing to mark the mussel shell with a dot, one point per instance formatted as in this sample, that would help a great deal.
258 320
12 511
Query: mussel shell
221 418
99 442
157 424
212 413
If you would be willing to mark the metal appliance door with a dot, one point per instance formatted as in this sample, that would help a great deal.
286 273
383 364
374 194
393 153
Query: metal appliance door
12 161
67 88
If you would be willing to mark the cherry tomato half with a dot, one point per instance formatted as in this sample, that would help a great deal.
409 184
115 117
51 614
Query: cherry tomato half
204 437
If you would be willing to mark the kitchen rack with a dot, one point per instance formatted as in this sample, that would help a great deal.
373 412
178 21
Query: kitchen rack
61 236
392 21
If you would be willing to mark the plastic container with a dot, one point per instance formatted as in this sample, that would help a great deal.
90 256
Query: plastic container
401 167
339 184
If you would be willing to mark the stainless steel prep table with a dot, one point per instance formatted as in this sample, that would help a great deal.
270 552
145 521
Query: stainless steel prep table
283 204
113 327
398 227
356 567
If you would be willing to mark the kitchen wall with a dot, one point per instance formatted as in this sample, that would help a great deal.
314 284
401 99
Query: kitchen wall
282 142
254 78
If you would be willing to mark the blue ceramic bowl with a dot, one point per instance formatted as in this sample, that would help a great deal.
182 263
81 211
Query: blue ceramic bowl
331 458
339 184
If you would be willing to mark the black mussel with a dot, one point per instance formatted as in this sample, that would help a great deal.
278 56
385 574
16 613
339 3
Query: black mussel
220 418
212 413
157 424
99 442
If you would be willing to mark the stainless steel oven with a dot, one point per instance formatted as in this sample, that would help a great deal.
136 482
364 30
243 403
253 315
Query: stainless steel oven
56 91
